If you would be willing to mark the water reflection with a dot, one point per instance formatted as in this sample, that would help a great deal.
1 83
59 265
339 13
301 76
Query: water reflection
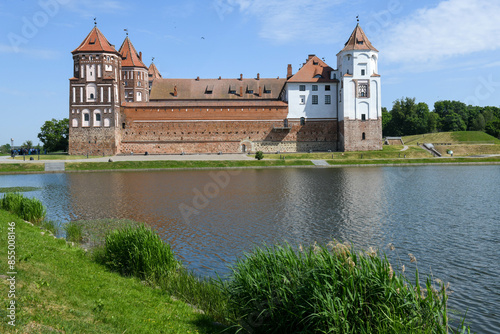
446 216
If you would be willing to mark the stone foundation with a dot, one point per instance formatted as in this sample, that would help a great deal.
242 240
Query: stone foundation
92 141
357 135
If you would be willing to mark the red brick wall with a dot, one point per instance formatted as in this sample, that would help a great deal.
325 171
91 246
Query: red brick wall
351 135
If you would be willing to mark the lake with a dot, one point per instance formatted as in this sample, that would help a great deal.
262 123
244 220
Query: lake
446 216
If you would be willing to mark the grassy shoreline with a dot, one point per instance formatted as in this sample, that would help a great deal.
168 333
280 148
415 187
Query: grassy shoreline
283 163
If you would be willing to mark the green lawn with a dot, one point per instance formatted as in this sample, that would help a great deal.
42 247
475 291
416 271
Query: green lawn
120 165
56 157
60 290
21 167
452 137
387 152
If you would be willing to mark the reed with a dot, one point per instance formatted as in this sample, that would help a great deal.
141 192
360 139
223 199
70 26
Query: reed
138 252
74 232
331 289
30 209
50 226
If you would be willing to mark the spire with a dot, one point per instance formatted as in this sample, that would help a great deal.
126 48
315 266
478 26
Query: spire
95 42
153 72
358 41
130 57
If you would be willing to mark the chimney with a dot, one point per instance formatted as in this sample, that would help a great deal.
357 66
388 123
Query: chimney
289 72
310 57
197 78
241 91
175 90
140 55
220 77
260 91
241 76
258 76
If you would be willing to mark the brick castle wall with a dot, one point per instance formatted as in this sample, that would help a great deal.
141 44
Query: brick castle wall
351 135
92 141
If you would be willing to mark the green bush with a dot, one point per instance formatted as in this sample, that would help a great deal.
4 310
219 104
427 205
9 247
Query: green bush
30 209
329 289
259 155
138 251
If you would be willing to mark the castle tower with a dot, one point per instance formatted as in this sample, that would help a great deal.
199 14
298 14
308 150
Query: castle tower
94 97
360 116
153 73
134 74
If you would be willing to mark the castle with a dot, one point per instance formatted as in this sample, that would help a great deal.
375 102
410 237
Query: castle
120 106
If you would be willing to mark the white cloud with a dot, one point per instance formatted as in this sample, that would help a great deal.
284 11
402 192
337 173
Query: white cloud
452 28
287 20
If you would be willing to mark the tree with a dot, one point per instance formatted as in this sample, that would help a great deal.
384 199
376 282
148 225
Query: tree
54 135
493 128
406 118
259 155
5 149
27 144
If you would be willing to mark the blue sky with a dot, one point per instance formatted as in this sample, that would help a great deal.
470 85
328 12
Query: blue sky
429 49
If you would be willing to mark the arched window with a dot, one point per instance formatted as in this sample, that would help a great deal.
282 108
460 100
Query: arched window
97 117
302 121
363 136
91 96
75 122
85 117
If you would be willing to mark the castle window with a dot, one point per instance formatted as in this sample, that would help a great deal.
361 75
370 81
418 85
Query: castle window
363 89
86 118
315 88
302 99
363 72
267 90
363 136
106 122
315 99
138 84
75 123
97 118
328 99
327 87
302 121
123 125
302 88
92 96
363 117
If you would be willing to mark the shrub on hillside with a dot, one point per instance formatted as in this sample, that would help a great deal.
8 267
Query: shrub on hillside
138 251
329 289
259 155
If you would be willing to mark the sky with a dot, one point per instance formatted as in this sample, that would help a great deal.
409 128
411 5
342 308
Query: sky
430 50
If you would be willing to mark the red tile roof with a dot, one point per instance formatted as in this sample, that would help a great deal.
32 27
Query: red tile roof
95 42
153 72
358 41
217 89
314 70
130 57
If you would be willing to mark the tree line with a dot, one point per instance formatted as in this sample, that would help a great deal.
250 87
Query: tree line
407 117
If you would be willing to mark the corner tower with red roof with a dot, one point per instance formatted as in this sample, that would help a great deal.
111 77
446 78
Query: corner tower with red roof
360 110
95 97
134 74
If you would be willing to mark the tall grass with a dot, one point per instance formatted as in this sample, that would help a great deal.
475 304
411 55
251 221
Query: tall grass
138 252
30 209
330 289
74 232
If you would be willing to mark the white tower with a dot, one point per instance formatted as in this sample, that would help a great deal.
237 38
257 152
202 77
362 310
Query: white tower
360 111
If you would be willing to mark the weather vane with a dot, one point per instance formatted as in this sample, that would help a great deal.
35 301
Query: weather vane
152 59
357 18
95 21
126 30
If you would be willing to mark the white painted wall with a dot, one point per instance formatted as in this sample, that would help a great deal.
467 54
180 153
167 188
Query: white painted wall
351 105
308 110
